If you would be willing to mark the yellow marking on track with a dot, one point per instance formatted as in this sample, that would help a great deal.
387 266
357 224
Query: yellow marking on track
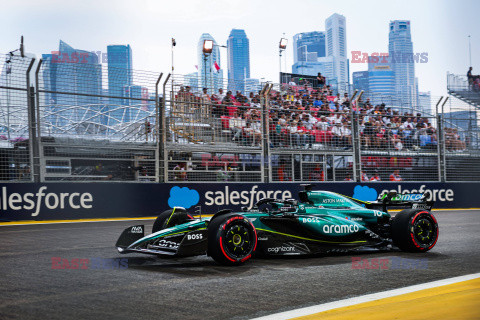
27 222
455 301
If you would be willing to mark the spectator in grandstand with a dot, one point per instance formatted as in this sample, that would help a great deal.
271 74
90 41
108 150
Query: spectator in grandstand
305 137
100 170
236 125
220 95
367 135
281 173
376 177
205 96
470 77
452 140
320 80
393 140
348 178
395 176
363 176
224 175
317 174
180 173
379 139
341 136
344 99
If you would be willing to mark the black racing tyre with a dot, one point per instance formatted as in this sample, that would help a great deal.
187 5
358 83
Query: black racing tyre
170 218
232 239
414 230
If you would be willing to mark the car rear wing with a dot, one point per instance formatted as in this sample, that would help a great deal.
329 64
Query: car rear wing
392 199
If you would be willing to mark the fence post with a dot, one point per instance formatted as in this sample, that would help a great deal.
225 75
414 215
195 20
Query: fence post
31 125
163 130
265 158
39 150
441 149
157 130
356 143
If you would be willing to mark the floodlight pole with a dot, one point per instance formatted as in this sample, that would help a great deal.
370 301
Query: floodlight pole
470 50
280 59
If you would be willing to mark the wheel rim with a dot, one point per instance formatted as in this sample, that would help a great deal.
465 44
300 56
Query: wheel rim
424 231
238 241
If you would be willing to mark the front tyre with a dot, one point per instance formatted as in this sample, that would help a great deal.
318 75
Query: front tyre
232 239
170 218
414 230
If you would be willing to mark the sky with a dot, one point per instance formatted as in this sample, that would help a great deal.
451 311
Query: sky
439 27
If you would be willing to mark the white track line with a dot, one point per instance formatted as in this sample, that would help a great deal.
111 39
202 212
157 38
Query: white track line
366 298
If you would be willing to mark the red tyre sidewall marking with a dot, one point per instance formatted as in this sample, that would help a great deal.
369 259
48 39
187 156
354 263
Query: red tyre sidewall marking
221 242
255 231
438 231
224 253
412 235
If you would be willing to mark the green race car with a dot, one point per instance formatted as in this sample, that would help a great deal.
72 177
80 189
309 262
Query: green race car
318 222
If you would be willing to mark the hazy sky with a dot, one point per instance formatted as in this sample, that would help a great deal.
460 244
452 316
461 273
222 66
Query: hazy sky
440 28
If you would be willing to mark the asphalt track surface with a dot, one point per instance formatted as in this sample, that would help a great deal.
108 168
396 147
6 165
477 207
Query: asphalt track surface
198 288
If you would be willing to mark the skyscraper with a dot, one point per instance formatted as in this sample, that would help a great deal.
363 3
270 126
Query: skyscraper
425 103
336 41
400 51
238 47
308 46
309 55
207 72
119 77
77 72
381 81
360 82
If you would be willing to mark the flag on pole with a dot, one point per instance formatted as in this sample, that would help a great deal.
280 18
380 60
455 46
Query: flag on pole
217 67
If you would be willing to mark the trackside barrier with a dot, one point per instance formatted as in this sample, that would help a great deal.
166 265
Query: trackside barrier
63 201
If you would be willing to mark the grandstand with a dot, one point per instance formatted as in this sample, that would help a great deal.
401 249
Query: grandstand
296 131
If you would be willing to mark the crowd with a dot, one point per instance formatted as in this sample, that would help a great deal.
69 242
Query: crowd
302 116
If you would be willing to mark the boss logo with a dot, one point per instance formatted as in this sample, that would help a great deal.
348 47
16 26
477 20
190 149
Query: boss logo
136 230
197 236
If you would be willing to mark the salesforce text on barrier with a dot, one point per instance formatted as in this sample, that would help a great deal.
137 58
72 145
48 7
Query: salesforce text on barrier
244 197
430 194
34 201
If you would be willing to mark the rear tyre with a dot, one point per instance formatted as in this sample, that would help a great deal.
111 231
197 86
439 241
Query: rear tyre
414 230
232 239
170 218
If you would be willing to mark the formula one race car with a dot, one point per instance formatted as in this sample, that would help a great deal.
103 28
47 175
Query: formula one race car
319 222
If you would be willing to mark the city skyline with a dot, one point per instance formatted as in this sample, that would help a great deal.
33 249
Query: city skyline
85 28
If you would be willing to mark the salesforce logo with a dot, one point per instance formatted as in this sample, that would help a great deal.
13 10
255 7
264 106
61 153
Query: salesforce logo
365 193
183 197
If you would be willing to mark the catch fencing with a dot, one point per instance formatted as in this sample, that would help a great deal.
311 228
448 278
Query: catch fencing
83 122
